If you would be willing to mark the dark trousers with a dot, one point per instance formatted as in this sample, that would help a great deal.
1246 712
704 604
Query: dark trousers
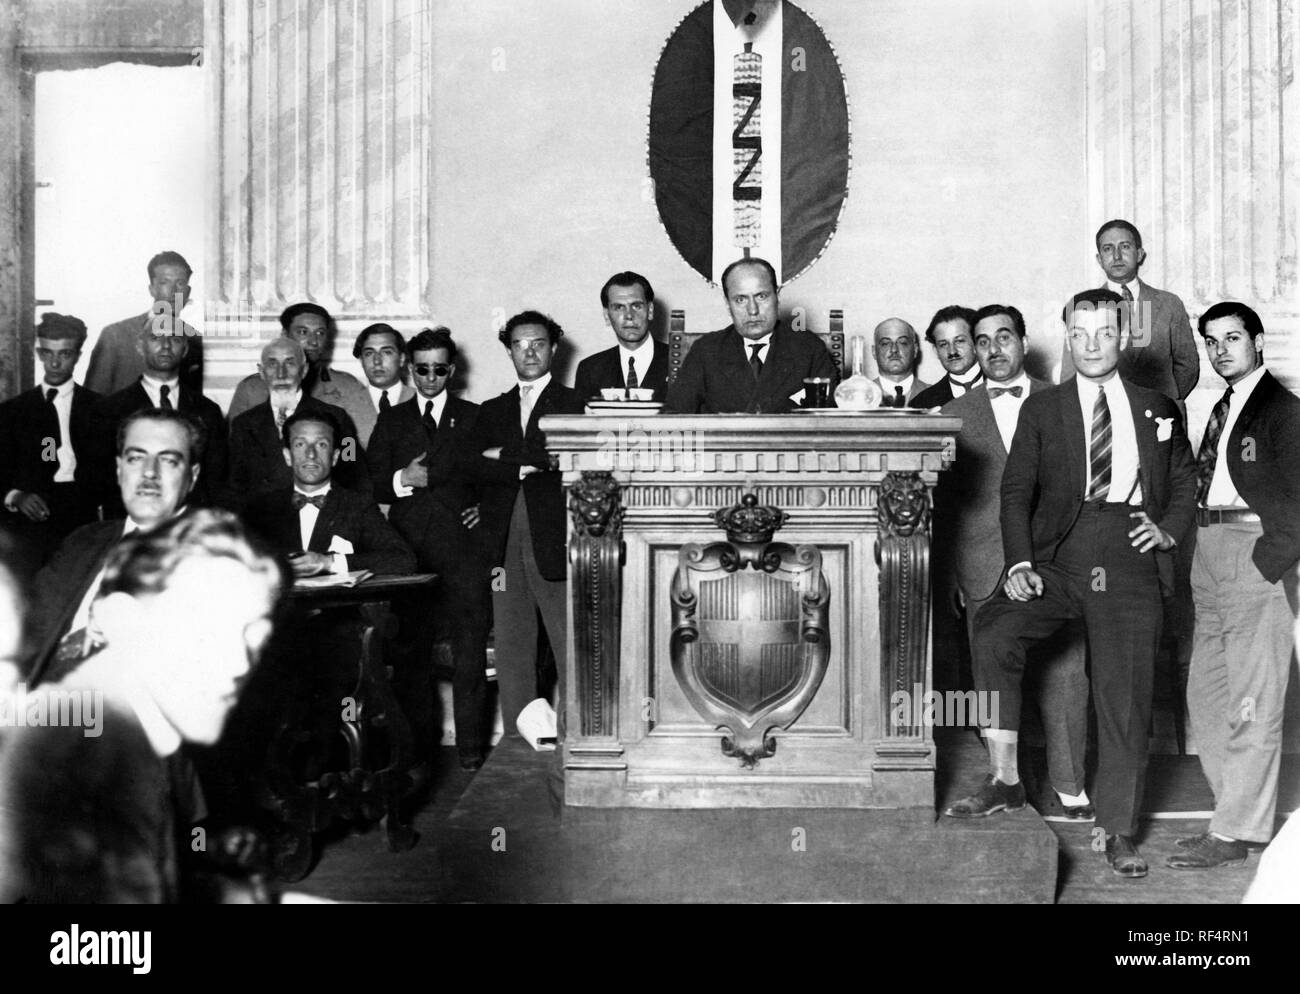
1099 577
459 613
71 506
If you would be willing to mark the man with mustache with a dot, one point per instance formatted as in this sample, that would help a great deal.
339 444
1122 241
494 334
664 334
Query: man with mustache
159 454
950 333
257 463
313 328
897 351
758 365
160 386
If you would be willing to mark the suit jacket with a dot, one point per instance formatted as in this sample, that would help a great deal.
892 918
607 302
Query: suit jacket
60 588
212 476
605 369
1161 353
376 546
115 364
1046 473
1269 482
87 819
939 394
366 417
970 495
257 463
918 386
716 378
429 519
342 390
24 425
498 425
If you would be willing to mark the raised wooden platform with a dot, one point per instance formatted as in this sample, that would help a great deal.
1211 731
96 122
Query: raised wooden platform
505 842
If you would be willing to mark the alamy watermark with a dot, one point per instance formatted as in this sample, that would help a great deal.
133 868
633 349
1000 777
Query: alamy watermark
53 707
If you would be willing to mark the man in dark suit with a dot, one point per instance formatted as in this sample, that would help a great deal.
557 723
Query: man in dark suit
160 386
969 511
423 462
93 808
313 328
897 351
159 454
257 463
47 468
523 512
757 366
324 528
639 360
1244 576
115 362
381 350
1098 487
1161 354
950 334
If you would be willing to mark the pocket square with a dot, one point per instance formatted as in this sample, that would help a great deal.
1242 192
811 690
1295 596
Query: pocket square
1164 429
340 544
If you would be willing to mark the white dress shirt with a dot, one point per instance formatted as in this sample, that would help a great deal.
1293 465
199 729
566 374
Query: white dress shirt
307 517
763 344
394 394
1222 492
887 385
1134 287
642 356
67 470
154 389
1123 436
961 384
1006 407
439 405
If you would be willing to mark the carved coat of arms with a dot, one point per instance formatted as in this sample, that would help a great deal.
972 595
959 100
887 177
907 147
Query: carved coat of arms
751 639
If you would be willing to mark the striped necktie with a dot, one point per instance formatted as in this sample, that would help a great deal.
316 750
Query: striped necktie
1208 456
1099 451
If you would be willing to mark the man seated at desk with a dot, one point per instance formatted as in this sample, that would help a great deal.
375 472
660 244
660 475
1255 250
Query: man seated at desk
757 366
324 528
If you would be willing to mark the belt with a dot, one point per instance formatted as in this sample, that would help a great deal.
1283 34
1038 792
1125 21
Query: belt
1225 516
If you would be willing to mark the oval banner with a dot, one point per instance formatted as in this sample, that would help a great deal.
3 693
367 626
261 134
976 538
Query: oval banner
749 137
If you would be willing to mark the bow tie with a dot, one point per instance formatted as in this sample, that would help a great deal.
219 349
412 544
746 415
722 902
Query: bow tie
302 500
999 391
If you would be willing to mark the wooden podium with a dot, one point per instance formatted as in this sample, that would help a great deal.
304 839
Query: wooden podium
747 596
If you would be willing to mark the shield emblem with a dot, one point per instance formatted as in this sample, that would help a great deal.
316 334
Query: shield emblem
750 640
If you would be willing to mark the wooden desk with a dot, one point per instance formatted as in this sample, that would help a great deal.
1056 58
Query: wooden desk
361 792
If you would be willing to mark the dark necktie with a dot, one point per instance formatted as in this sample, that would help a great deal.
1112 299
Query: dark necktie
899 399
632 381
164 398
1126 293
56 432
430 422
384 403
1208 456
1099 452
302 500
755 363
999 391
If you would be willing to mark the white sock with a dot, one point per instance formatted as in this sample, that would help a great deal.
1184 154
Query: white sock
1073 800
1002 754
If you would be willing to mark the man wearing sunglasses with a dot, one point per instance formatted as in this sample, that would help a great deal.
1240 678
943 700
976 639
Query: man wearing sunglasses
423 463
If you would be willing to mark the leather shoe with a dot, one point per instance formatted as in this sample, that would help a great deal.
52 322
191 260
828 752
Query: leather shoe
1206 851
471 763
1078 812
1123 856
993 796
1191 840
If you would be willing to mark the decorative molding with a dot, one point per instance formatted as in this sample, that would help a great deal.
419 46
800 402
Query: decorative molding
596 580
903 554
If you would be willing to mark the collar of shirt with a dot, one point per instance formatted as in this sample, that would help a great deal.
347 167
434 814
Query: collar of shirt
439 405
62 392
1134 287
763 344
538 385
394 393
315 493
968 378
1241 392
644 355
1020 381
888 385
154 389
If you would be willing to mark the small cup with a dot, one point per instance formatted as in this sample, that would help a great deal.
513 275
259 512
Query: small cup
816 392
